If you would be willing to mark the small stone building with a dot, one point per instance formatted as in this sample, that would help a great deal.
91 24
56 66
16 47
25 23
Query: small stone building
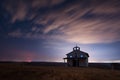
77 58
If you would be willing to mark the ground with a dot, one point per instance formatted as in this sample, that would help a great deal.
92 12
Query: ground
27 72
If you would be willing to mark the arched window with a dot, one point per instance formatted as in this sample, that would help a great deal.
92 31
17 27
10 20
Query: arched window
76 48
81 56
70 56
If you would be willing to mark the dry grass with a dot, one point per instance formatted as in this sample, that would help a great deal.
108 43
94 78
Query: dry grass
21 72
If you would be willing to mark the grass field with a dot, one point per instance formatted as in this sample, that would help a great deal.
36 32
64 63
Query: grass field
25 72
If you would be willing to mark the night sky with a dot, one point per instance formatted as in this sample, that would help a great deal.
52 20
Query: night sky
46 30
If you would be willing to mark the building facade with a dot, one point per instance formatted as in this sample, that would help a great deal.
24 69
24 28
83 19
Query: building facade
77 58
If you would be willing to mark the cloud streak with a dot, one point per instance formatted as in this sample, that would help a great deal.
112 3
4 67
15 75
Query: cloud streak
80 21
94 24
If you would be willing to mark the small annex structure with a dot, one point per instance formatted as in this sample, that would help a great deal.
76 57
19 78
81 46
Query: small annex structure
77 58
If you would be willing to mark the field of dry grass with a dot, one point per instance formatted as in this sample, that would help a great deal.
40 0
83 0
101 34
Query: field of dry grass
22 72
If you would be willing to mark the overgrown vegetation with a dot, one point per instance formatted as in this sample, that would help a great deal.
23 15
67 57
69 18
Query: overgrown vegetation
22 72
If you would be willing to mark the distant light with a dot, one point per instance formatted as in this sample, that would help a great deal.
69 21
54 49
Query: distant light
28 60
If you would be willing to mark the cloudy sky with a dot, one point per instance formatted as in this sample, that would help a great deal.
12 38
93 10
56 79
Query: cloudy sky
46 30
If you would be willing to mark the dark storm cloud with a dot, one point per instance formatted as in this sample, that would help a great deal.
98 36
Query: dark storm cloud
86 21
